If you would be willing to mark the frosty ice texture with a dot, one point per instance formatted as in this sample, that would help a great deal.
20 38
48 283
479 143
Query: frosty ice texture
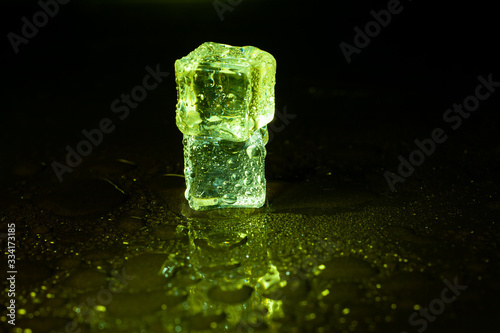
225 100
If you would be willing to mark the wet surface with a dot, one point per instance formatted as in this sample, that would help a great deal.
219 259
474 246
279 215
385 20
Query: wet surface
316 257
114 247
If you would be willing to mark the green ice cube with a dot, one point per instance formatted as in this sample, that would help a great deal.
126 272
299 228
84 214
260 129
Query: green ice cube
225 91
225 101
221 173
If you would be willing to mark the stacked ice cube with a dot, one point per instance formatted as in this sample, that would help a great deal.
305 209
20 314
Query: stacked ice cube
225 100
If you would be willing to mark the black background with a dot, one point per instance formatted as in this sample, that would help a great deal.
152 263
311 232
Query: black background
397 88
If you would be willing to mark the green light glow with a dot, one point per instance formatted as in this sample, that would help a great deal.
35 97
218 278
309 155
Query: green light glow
225 100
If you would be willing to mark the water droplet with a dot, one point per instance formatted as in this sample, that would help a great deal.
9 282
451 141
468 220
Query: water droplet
265 135
229 198
232 164
201 97
224 240
211 81
253 151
